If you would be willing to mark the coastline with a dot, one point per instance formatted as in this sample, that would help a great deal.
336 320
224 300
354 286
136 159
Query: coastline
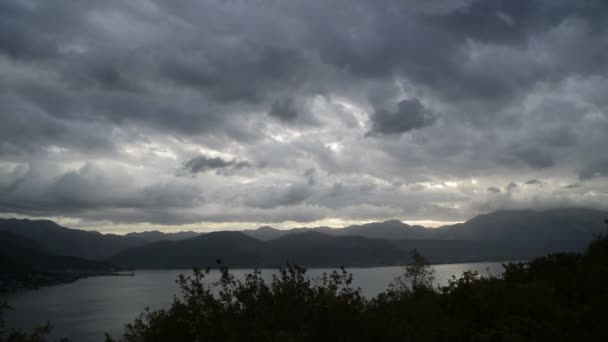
10 284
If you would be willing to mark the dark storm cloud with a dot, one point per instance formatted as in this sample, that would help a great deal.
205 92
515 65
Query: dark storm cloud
109 78
509 27
284 110
532 156
410 115
244 72
474 52
96 76
273 196
512 22
91 187
494 190
491 89
597 168
533 182
387 42
203 163
20 39
98 193
310 176
27 128
14 185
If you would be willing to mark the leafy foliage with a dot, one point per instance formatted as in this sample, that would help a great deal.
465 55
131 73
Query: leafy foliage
290 307
417 276
39 334
560 297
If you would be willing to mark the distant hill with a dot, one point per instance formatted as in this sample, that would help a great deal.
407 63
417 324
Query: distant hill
21 256
82 243
65 241
155 235
388 230
233 248
266 233
236 249
24 264
314 249
500 235
508 225
525 225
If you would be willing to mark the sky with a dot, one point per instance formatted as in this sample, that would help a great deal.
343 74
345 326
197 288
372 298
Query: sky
146 114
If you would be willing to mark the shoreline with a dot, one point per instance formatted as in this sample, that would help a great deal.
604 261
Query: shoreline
35 281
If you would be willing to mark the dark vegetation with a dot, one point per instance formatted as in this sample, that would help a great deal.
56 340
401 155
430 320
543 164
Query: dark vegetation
39 334
559 297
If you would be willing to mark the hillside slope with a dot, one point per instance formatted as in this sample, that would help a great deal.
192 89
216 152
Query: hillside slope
236 249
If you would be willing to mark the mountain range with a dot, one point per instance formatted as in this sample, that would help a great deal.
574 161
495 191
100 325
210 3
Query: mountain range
83 243
26 264
500 235
155 235
21 255
507 225
315 249
65 241
236 249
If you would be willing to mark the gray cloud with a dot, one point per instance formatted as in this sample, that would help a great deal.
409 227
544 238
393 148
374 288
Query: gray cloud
310 176
203 163
410 115
596 168
101 102
97 192
273 196
284 110
531 156
494 189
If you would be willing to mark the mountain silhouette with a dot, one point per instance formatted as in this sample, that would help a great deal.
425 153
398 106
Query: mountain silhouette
21 257
500 235
507 225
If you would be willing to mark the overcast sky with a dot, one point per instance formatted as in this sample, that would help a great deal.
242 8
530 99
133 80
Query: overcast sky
132 115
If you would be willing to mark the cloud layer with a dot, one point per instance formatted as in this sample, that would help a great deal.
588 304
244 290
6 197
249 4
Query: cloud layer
252 112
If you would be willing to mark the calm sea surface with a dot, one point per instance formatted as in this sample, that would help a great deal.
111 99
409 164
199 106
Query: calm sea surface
87 308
